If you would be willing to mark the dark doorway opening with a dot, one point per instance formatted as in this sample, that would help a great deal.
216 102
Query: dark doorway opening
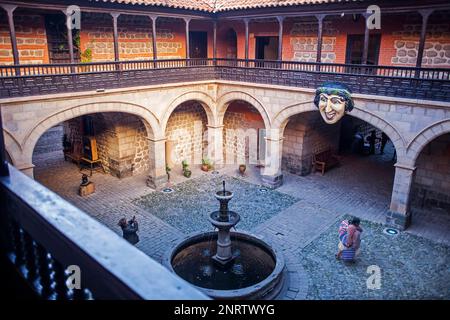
198 44
231 44
355 48
58 47
266 48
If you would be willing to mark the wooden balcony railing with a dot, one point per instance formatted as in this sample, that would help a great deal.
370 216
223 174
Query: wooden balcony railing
42 235
403 82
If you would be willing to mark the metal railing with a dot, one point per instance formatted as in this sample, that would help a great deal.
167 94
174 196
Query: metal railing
42 235
405 82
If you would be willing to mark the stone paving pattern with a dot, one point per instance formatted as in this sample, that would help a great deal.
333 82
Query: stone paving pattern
304 231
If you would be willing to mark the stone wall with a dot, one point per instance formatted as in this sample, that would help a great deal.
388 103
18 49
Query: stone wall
437 46
240 134
305 135
135 37
186 129
31 39
303 39
121 142
431 186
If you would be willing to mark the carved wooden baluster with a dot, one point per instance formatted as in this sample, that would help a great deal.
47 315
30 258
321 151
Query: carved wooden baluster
19 257
45 277
30 257
81 294
60 279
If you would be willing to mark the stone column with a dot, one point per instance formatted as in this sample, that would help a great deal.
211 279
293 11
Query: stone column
215 145
4 171
271 173
157 151
399 215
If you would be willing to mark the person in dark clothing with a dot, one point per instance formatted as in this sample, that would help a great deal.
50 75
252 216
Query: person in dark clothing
384 140
372 139
358 142
129 230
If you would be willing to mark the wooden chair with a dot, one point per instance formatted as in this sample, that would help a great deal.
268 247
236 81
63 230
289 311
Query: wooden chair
324 160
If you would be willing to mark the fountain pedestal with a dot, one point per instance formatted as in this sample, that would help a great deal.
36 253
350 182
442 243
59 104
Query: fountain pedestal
224 220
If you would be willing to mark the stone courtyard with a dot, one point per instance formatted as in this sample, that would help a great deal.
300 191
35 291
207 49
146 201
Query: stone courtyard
300 217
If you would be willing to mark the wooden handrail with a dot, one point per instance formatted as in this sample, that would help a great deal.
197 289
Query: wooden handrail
98 67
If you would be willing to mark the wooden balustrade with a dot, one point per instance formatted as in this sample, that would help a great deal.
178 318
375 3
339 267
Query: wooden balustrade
404 82
42 235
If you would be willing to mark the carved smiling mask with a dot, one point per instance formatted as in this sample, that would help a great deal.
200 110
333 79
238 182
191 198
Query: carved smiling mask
333 100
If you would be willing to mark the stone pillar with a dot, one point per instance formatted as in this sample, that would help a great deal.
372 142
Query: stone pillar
215 145
271 173
4 171
157 152
399 215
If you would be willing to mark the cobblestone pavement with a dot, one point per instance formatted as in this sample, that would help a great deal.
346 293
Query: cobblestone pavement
411 267
355 188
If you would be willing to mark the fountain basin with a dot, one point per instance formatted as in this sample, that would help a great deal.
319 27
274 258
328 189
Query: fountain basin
257 271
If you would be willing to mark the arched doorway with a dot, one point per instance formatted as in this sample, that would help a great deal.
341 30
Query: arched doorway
430 191
243 135
185 134
116 140
355 179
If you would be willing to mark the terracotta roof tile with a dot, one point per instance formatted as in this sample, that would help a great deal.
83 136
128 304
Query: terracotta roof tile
223 5
203 5
226 5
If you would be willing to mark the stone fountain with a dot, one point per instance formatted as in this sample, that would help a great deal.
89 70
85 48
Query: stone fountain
228 264
224 220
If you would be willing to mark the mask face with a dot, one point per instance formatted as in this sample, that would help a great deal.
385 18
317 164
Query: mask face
331 107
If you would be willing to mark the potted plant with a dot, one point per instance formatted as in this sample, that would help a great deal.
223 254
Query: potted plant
206 164
186 171
242 168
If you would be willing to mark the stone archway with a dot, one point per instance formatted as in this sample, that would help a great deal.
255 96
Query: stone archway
225 100
282 118
416 145
30 140
202 98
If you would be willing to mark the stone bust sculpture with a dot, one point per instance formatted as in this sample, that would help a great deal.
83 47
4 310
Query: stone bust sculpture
333 100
